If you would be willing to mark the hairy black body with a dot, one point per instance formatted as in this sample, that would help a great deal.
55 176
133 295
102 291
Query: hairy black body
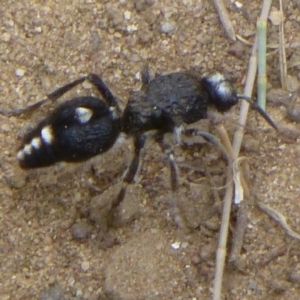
84 127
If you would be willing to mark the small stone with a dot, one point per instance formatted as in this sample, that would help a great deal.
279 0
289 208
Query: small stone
280 286
292 83
176 245
238 4
141 5
71 281
184 245
38 29
20 72
85 265
81 231
5 127
276 17
131 28
293 113
16 182
52 293
279 96
127 15
137 76
5 37
87 85
168 26
295 277
253 285
134 57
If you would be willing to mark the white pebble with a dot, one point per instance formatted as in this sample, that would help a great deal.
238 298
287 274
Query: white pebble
127 15
5 37
168 26
131 28
85 265
176 245
238 4
87 85
20 72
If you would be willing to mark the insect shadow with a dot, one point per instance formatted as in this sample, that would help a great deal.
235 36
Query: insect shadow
86 126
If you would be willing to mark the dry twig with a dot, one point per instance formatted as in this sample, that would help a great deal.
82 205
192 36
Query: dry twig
282 54
224 17
261 66
221 253
280 218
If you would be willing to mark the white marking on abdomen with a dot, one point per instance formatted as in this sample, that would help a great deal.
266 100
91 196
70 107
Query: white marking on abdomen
20 155
36 143
27 149
47 134
83 114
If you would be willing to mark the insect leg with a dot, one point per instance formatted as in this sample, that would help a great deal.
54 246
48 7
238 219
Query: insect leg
167 150
209 138
132 170
103 89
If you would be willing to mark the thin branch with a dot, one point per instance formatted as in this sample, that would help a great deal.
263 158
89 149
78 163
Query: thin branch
280 218
282 54
262 75
224 17
269 46
221 253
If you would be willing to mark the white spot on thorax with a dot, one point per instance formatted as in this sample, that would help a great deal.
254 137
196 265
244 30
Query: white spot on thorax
224 89
47 134
215 78
83 114
220 84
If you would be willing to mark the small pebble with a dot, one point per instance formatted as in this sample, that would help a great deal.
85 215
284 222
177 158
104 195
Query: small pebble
293 113
5 37
168 26
81 231
295 277
85 265
5 127
131 28
175 245
52 293
87 85
292 83
184 245
127 15
141 5
20 72
38 29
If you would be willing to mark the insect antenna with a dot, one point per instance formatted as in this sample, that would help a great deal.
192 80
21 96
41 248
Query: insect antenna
259 110
51 97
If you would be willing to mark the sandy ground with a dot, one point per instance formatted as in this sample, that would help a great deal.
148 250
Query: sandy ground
54 243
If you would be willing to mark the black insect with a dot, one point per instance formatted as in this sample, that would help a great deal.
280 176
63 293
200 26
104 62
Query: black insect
87 126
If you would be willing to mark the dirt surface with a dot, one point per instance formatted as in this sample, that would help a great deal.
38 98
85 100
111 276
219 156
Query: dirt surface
55 241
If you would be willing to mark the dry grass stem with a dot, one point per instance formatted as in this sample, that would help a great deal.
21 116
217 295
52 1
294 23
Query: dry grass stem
261 66
280 218
269 46
282 54
224 17
221 252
